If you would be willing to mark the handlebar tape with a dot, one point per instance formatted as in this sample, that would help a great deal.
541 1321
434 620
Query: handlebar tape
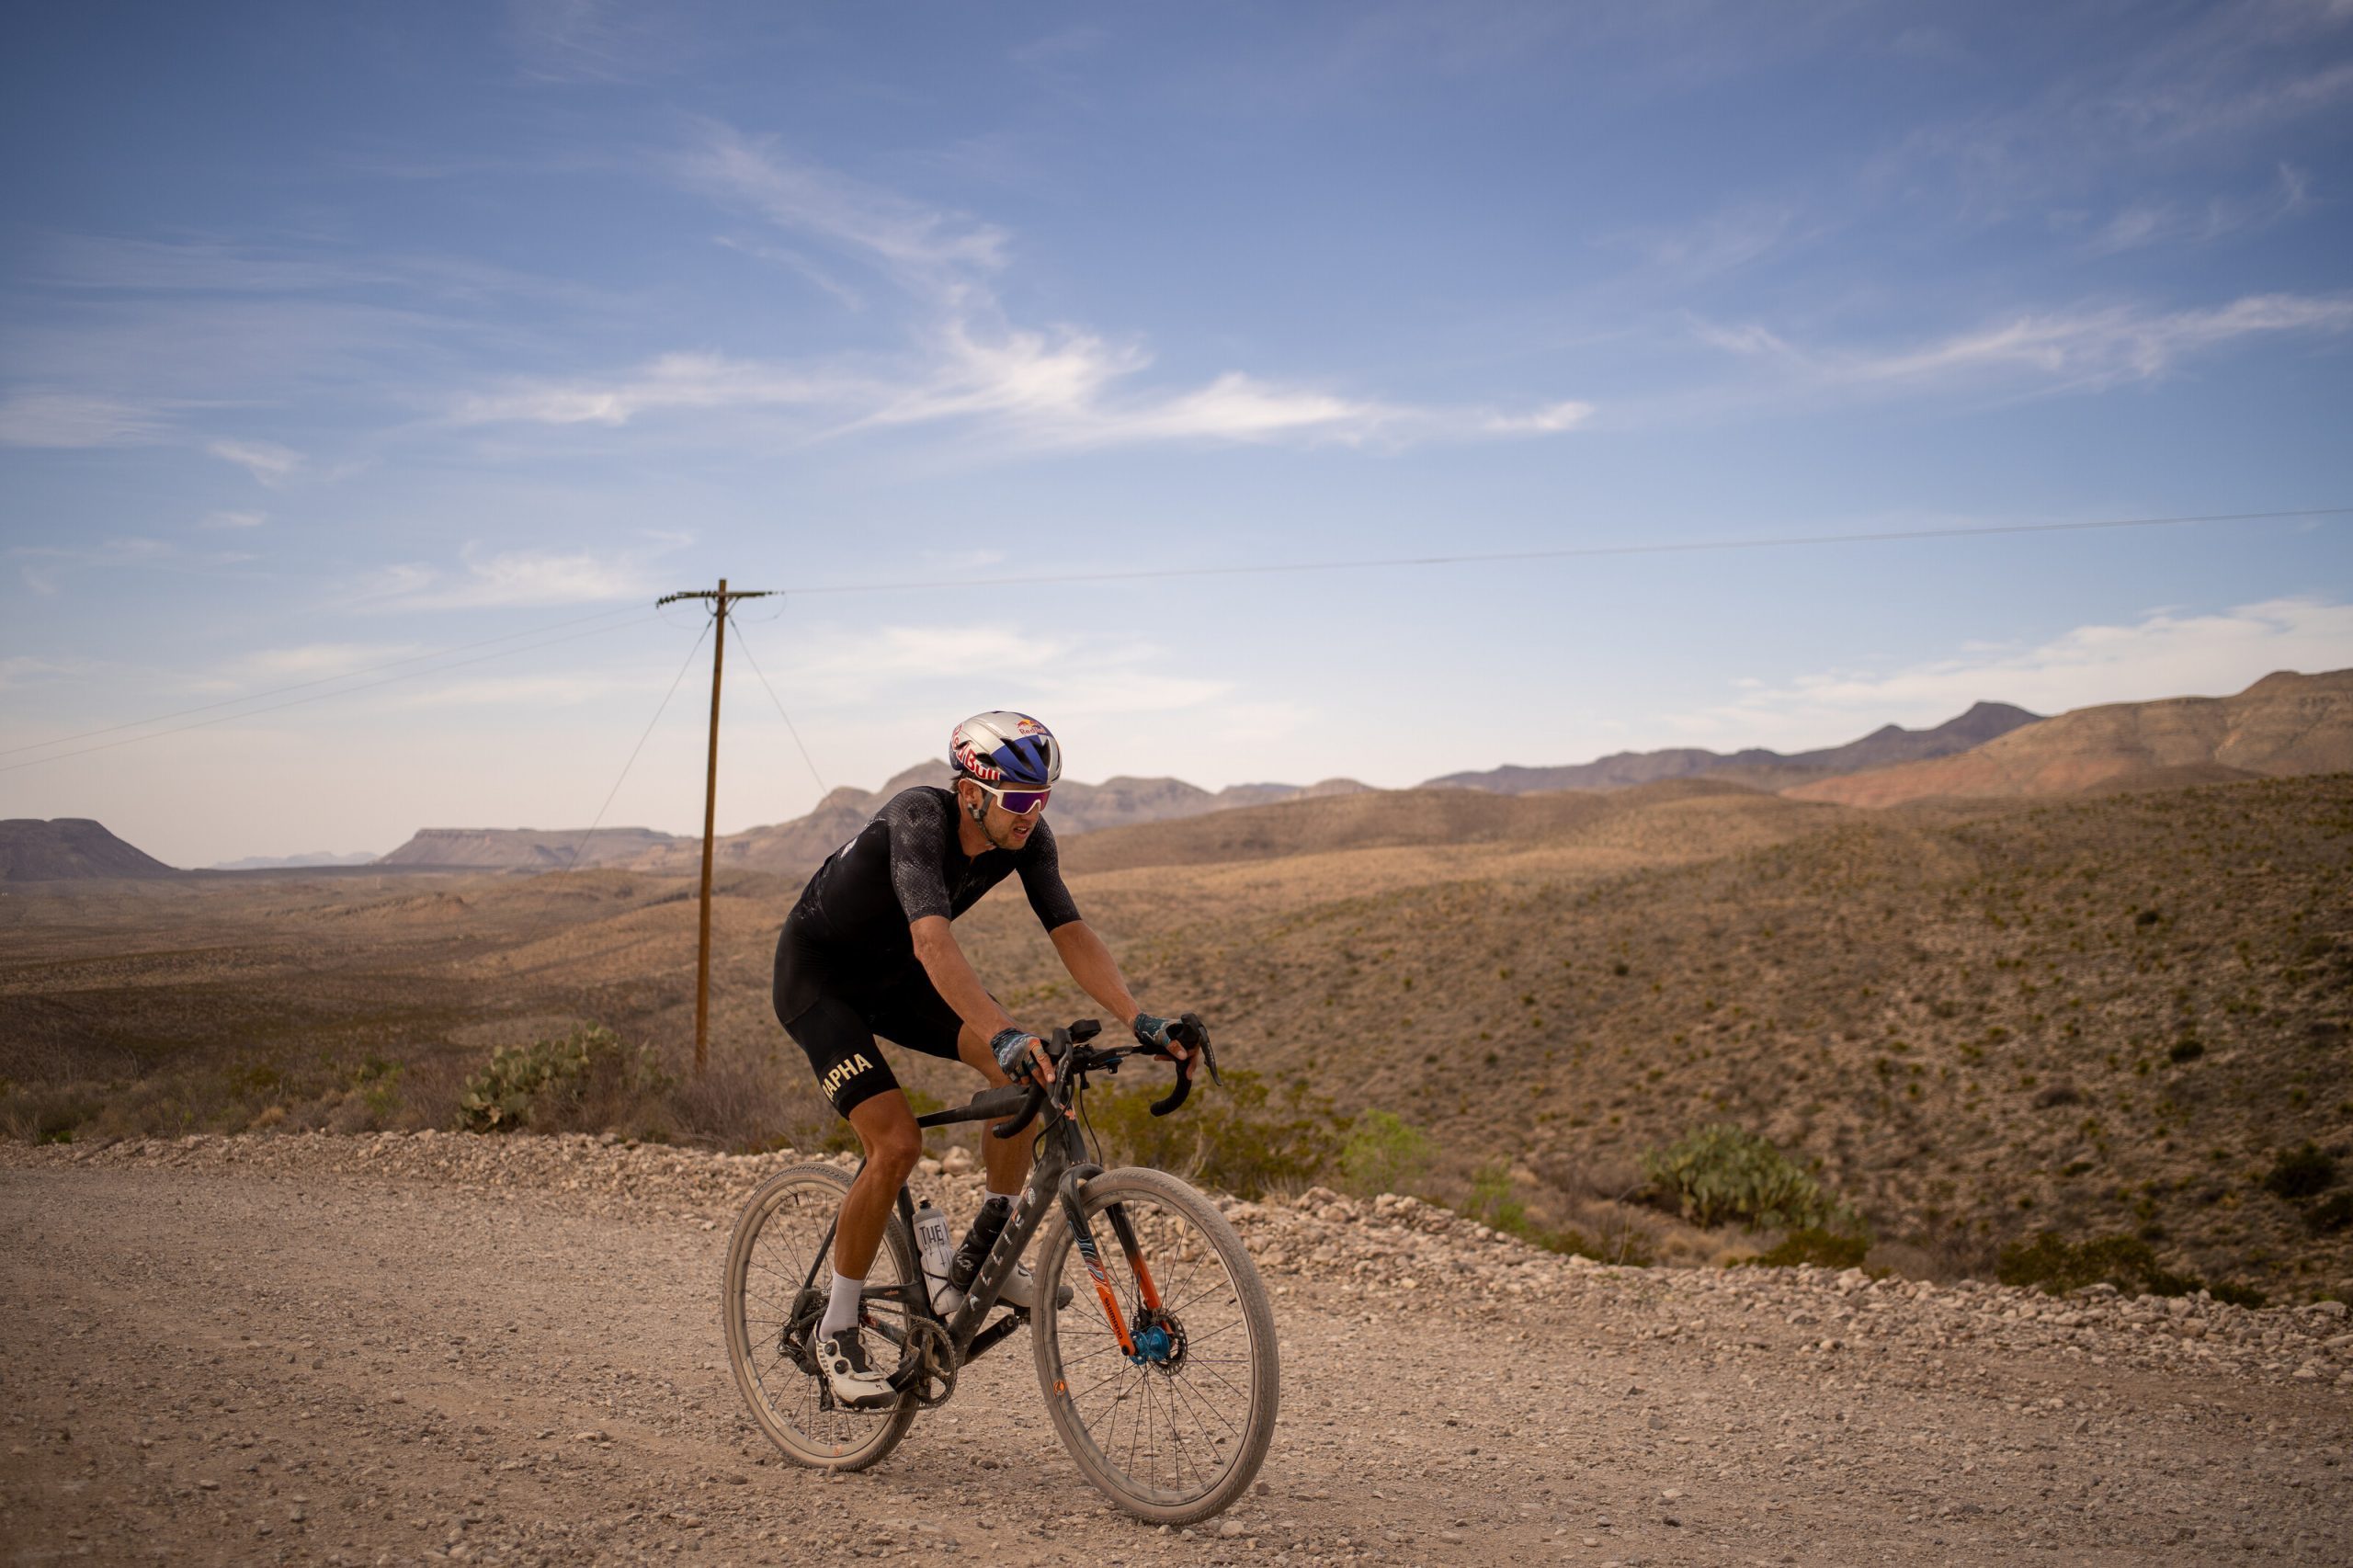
1013 1126
1194 1035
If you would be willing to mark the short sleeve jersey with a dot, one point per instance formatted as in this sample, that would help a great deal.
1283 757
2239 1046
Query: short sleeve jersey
906 864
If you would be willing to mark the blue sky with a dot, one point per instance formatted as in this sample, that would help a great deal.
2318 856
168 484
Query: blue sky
334 336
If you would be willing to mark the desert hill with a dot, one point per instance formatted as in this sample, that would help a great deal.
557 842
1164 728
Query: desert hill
1888 744
797 846
2114 1015
527 849
69 849
2284 725
1433 818
326 859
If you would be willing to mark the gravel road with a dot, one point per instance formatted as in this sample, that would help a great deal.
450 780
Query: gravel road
380 1349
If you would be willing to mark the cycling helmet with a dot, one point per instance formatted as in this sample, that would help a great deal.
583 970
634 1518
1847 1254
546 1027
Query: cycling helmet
1006 749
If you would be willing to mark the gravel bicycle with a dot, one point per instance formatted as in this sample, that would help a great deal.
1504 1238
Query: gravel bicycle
1162 1386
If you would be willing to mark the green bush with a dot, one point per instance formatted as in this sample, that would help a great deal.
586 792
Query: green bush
552 1083
1726 1173
2301 1173
2058 1266
1491 1203
1824 1249
2330 1214
1240 1138
1383 1153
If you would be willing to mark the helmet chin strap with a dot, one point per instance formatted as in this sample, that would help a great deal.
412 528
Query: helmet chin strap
978 811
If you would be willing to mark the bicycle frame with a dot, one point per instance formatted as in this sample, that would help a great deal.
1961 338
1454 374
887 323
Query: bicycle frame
1060 1170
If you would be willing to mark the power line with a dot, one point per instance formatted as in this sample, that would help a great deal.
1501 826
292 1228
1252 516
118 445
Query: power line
642 739
322 680
1571 553
321 696
790 727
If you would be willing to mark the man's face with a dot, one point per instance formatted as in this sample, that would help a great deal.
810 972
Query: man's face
1005 829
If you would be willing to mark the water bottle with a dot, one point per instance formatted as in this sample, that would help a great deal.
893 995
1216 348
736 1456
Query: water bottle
931 1242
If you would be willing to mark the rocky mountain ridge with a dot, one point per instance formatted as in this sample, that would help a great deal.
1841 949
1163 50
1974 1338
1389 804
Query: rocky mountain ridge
2284 725
1886 746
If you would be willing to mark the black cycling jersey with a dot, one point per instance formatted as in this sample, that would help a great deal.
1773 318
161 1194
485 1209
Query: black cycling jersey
852 917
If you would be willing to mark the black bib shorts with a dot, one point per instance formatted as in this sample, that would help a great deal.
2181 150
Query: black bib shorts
834 1015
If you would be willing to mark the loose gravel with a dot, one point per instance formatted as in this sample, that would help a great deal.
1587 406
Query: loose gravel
392 1348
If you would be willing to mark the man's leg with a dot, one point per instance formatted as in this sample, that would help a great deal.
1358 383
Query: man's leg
1006 1160
887 1127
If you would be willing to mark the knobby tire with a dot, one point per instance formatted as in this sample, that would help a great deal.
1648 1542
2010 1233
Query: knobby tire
776 1234
1170 1444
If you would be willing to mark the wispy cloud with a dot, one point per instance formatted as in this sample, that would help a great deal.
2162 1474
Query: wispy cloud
268 463
2145 224
2166 653
2227 74
921 241
45 568
77 420
591 41
511 578
2089 348
842 293
964 363
235 519
531 693
310 661
1716 242
1035 390
849 666
22 669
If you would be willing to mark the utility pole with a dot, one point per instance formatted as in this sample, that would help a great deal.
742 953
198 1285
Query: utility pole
720 600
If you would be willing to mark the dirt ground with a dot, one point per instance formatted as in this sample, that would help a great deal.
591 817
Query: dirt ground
273 1352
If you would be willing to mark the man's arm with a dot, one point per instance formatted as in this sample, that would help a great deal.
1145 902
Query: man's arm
1097 972
952 976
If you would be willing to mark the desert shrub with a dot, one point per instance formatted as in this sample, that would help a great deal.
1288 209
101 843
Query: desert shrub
2185 1051
1383 1153
2058 1266
1490 1203
1242 1138
1726 1173
1811 1245
1491 1200
375 1083
46 1113
2331 1214
554 1084
2300 1172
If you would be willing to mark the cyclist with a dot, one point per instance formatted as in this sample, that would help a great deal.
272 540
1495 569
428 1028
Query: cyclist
867 951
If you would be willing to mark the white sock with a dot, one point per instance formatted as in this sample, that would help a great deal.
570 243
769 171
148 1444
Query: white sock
841 1308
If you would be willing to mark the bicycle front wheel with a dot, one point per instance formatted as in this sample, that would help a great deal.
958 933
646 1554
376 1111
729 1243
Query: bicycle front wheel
1165 1395
772 1297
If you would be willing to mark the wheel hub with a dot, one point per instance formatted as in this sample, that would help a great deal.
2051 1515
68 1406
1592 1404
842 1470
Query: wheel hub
1158 1338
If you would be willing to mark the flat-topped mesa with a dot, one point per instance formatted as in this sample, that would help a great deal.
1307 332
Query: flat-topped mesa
70 849
527 849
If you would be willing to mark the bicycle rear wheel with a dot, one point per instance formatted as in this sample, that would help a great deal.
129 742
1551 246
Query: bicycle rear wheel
770 1318
1173 1424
